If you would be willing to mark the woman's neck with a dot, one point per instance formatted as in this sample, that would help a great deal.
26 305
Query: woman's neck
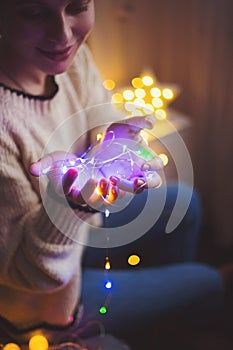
20 78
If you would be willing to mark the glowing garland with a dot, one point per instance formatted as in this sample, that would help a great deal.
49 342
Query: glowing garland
124 159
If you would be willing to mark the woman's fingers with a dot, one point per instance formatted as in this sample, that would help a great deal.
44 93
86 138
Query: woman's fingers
83 196
138 184
153 179
155 163
49 161
129 128
68 180
138 123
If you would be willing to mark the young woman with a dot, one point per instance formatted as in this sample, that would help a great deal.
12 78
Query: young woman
48 87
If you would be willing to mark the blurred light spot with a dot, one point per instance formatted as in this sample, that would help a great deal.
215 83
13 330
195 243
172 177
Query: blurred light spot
157 102
155 92
168 94
164 158
140 93
128 95
109 84
137 83
160 114
133 260
147 80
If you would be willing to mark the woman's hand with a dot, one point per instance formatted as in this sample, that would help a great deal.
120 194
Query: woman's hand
59 168
93 194
129 129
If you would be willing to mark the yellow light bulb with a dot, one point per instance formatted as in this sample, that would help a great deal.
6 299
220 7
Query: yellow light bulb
155 92
109 84
107 264
133 260
157 102
164 158
168 94
99 137
117 98
140 93
128 95
160 114
147 80
137 83
11 346
38 342
139 102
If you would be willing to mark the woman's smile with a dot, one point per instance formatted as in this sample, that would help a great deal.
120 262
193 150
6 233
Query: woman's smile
57 55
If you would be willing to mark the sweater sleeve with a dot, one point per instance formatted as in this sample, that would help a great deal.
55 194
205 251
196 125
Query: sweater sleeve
34 253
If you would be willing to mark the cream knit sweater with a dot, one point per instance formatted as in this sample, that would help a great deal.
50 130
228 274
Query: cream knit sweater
40 272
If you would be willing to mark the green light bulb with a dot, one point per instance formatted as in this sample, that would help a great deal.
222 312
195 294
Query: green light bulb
103 310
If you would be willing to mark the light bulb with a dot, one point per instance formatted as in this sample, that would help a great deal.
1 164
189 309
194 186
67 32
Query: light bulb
155 92
128 95
38 342
109 84
160 114
137 83
117 98
164 158
107 264
103 310
157 102
11 346
168 94
108 285
147 80
140 93
133 260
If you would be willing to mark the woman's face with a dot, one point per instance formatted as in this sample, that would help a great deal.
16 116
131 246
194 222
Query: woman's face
44 34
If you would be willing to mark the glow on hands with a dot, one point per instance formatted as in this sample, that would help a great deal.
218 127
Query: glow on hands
121 162
61 171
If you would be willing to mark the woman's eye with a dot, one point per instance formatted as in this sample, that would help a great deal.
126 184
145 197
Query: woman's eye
78 7
32 13
76 10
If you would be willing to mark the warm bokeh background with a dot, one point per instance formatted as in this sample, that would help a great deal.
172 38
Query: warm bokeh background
189 43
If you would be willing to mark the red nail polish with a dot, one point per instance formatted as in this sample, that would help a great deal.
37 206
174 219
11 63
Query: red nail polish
114 180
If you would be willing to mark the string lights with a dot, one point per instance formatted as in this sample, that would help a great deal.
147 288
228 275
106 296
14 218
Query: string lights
145 95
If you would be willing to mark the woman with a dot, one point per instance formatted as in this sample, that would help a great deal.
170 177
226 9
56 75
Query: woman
47 76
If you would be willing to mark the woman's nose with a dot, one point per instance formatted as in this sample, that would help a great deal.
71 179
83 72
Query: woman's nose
60 29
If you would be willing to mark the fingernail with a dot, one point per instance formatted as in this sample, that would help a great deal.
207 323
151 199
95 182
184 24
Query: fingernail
139 185
146 166
139 182
114 180
72 172
103 184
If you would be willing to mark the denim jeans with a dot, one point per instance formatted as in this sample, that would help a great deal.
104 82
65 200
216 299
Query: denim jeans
167 281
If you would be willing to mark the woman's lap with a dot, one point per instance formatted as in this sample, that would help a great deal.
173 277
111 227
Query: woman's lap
165 282
155 247
139 297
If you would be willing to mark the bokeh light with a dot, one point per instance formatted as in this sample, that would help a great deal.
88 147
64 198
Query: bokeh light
11 346
164 158
109 84
103 310
147 80
133 260
38 342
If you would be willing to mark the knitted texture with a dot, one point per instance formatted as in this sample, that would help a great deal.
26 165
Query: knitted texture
40 265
